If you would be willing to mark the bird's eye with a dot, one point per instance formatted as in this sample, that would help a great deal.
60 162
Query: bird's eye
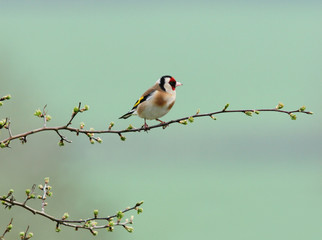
173 83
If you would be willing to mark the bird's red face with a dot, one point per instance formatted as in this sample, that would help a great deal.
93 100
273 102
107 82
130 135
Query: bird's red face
173 83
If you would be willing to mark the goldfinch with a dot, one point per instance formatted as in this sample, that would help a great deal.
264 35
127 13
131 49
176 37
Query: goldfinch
156 101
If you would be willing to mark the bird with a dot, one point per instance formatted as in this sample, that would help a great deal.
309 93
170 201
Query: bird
155 102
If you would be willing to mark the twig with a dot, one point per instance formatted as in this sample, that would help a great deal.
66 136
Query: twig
74 114
75 223
131 129
90 223
8 229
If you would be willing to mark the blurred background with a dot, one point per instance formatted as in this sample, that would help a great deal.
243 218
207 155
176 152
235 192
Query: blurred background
238 177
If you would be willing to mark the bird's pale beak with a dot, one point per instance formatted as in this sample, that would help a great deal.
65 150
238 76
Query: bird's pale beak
178 84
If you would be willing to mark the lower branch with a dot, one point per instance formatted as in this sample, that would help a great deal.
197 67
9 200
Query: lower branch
91 224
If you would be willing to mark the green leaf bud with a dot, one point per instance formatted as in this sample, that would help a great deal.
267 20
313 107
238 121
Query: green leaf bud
257 112
61 143
30 235
58 229
311 113
302 109
82 125
92 141
27 192
140 210
249 113
7 97
38 113
110 223
21 234
110 229
226 106
293 116
95 213
41 187
119 215
32 196
86 107
46 179
9 227
1 104
130 127
2 145
76 109
183 122
95 233
49 194
48 118
191 119
129 229
123 138
11 191
213 117
65 216
39 197
111 125
2 123
279 106
99 140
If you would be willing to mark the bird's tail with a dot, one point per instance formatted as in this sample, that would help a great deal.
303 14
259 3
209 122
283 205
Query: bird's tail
127 115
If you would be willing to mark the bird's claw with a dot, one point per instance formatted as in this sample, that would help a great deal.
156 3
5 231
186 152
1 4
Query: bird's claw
145 127
162 122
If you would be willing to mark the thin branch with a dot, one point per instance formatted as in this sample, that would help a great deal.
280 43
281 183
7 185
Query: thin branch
8 229
90 223
74 114
5 98
84 224
131 129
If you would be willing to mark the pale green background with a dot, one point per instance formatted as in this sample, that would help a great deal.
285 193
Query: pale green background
236 178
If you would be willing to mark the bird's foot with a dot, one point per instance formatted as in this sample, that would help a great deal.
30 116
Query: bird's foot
145 127
162 122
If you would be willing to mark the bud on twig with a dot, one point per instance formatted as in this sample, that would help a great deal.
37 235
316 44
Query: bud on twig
226 106
38 113
86 107
293 116
248 113
279 106
119 215
139 210
302 109
111 125
95 213
46 180
65 216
